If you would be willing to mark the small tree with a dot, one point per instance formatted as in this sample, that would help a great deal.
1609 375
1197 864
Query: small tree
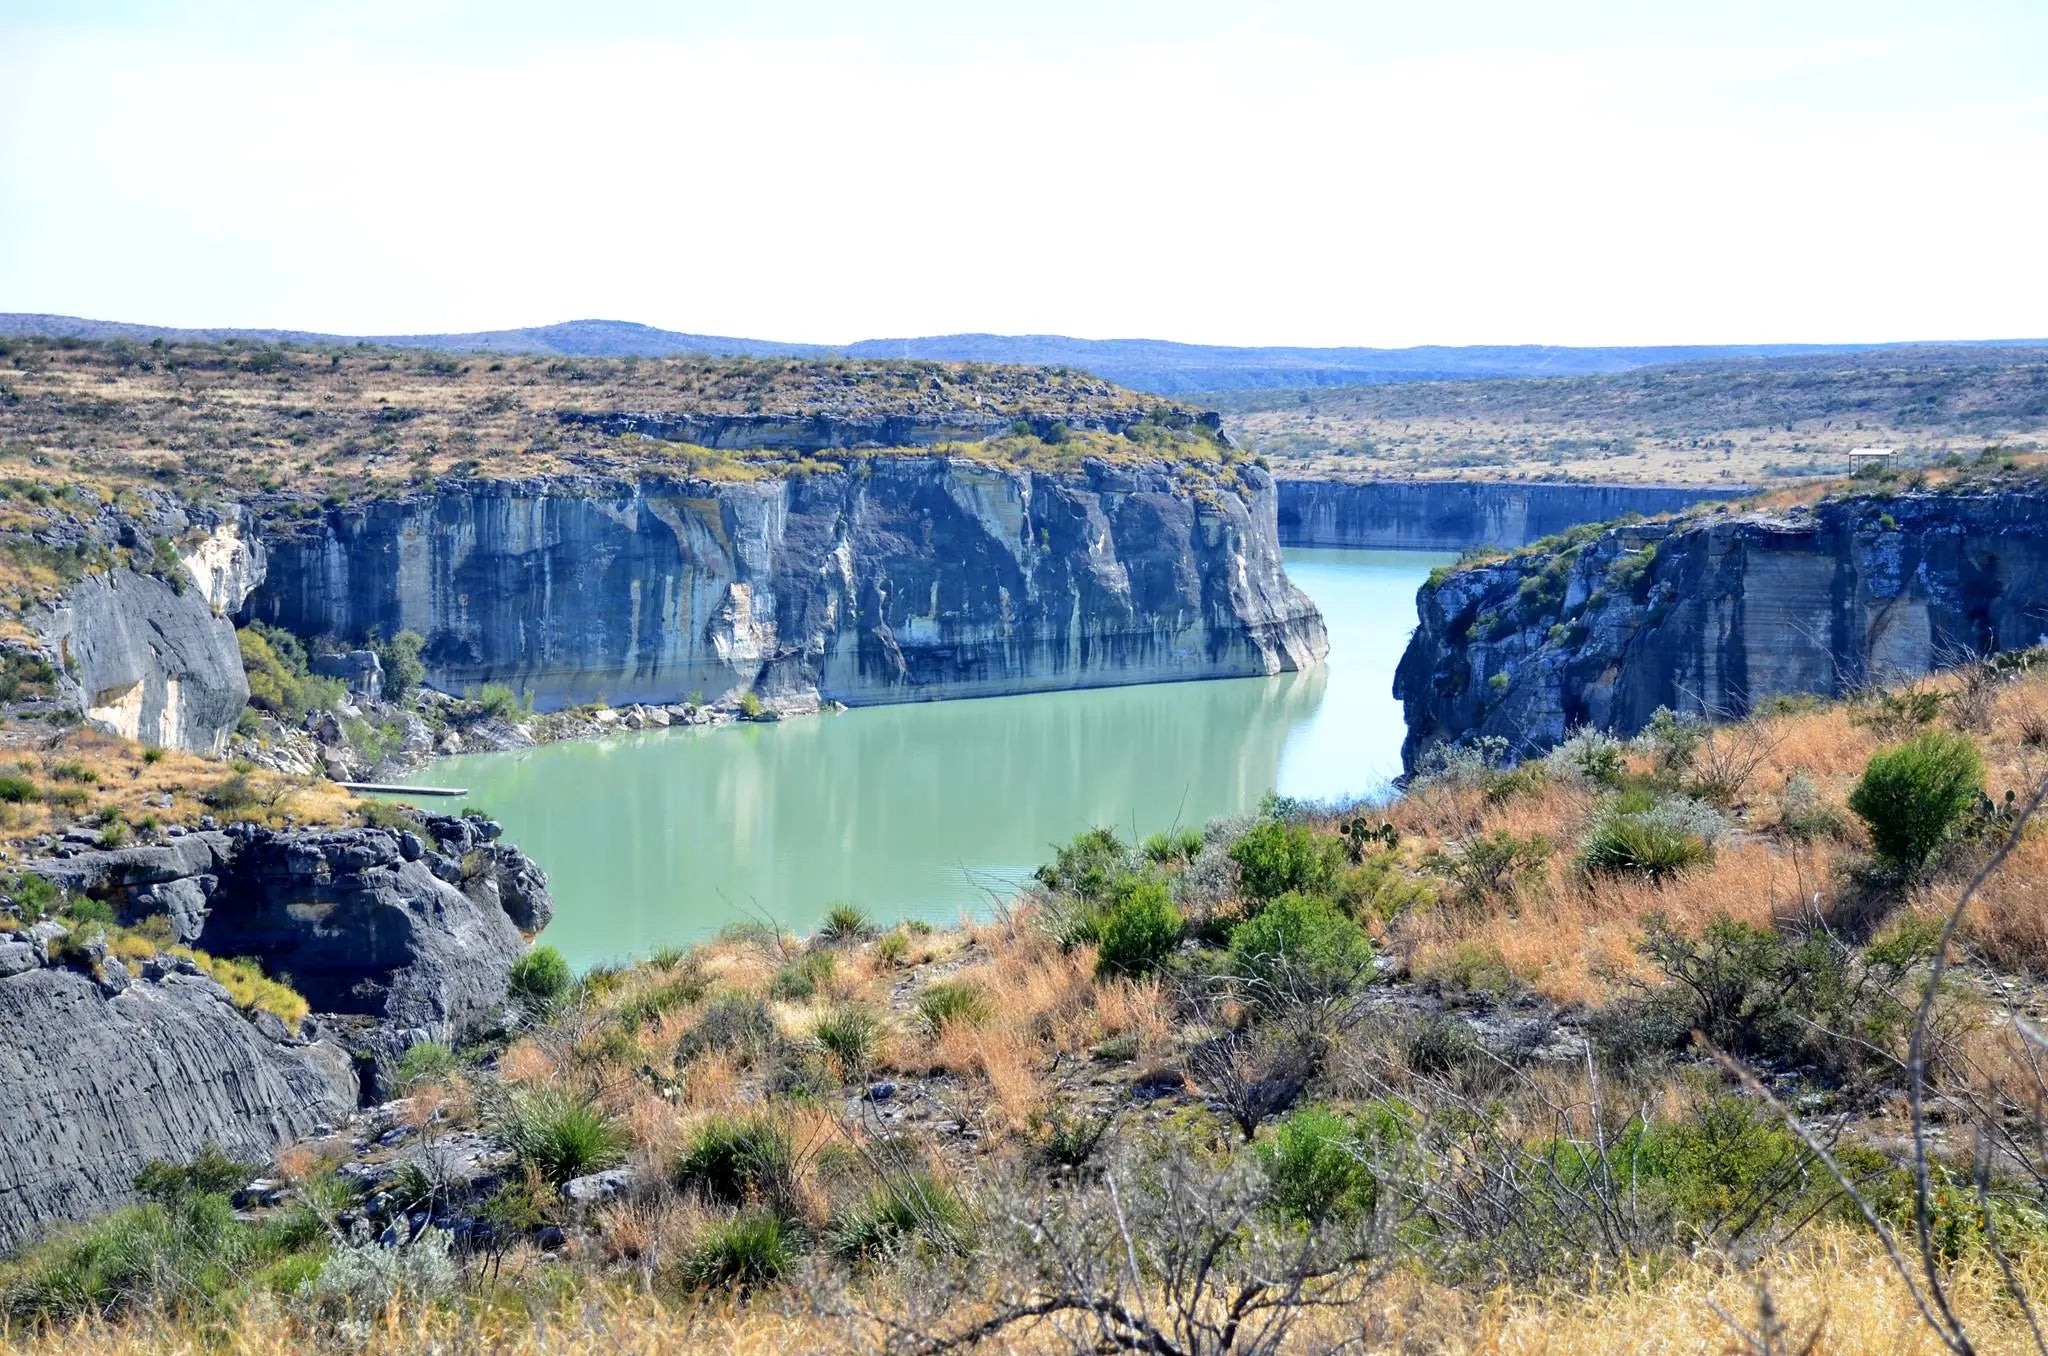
1913 796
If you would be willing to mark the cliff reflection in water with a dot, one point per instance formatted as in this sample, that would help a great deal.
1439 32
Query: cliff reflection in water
921 811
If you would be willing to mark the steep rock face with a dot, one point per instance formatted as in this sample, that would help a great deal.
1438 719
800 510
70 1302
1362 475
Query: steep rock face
821 432
95 1084
902 578
365 921
1714 614
155 658
1450 515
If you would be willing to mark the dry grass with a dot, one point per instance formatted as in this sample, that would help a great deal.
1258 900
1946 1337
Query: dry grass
310 422
82 774
1835 1285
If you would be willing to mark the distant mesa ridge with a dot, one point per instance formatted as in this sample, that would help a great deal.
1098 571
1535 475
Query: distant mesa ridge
1154 365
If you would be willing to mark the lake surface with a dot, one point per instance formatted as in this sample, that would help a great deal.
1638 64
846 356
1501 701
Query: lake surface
936 809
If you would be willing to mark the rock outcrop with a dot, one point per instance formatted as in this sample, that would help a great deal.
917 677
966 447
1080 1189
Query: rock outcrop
1451 515
1716 613
899 578
99 1077
416 931
153 656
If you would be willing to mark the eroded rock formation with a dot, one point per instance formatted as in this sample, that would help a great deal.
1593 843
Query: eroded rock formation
1718 612
897 579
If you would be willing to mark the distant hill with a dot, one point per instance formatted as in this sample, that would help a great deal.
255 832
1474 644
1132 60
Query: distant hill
1153 365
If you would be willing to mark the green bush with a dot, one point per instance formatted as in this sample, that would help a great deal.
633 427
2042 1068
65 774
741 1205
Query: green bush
279 681
845 923
1316 1165
748 1251
735 1160
946 1001
1299 943
424 1063
1493 868
1642 845
1275 858
1088 865
852 1036
403 671
562 1134
801 979
1137 932
909 1209
1912 797
16 790
540 977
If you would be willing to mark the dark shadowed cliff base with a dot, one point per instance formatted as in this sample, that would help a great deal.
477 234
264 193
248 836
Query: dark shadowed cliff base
1453 515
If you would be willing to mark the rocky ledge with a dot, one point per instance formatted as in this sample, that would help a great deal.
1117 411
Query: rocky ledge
1715 613
393 936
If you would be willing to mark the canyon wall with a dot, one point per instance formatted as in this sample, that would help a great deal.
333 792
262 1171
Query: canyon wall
1716 613
1451 515
898 578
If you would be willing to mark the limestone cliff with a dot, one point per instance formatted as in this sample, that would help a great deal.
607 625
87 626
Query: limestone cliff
1451 515
1717 612
153 656
897 578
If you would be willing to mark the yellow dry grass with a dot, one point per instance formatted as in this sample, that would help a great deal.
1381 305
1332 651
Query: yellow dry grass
84 773
1836 1287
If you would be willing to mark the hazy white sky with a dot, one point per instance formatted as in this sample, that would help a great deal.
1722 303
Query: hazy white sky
1571 172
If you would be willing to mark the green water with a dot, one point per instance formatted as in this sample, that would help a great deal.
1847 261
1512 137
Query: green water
936 809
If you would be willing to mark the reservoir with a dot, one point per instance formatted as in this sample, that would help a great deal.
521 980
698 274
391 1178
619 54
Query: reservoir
935 810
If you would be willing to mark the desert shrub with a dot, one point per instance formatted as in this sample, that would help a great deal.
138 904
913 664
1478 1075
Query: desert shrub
750 705
539 977
561 1134
1894 714
1162 849
1316 1165
425 1063
279 681
1493 868
232 794
1274 858
1139 930
16 790
735 1160
742 1253
1589 755
35 897
737 1026
850 1035
1296 943
1738 984
907 1209
845 923
1087 865
651 1004
211 1171
1675 739
1064 1139
400 658
947 1001
893 949
1645 844
495 701
1380 886
359 1280
801 979
1912 797
1804 814
1470 967
1529 779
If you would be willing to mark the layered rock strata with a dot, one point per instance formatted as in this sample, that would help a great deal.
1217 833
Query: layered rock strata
1452 515
1717 613
897 579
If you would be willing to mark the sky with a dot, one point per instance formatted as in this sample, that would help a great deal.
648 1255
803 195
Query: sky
1355 172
